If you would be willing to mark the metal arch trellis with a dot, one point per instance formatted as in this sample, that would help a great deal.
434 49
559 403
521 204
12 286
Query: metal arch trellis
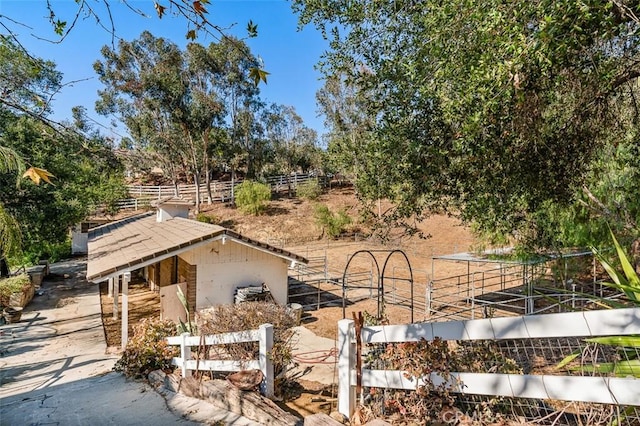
380 277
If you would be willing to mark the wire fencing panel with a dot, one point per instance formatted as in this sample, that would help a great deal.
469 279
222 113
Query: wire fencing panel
551 369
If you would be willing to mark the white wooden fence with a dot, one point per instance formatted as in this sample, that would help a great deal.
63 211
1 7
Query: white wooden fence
220 190
263 335
607 390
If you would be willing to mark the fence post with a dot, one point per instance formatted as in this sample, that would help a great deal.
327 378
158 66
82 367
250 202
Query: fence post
185 354
346 361
429 299
266 363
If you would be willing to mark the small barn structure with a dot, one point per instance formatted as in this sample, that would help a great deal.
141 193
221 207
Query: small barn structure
208 262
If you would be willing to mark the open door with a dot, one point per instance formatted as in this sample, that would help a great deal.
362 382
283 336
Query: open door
170 306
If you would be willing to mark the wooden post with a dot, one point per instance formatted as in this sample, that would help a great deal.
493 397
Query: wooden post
266 363
346 361
126 278
359 323
110 287
185 354
116 291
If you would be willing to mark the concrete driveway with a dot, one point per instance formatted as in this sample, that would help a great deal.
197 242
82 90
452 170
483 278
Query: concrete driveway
54 369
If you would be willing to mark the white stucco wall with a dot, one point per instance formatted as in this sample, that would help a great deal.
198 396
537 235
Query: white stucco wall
221 268
79 242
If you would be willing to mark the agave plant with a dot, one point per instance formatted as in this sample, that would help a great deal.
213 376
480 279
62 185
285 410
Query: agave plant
626 281
628 347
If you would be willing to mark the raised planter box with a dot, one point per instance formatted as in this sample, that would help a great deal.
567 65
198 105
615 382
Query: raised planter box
16 291
37 274
20 300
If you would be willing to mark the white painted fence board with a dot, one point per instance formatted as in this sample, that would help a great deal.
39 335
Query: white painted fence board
391 379
626 321
452 330
529 386
217 365
478 329
557 325
587 389
218 339
397 333
605 390
626 391
508 328
576 324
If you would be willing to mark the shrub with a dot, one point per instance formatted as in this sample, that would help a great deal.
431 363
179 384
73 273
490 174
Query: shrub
147 350
53 252
309 190
252 197
11 285
434 398
205 218
332 223
249 316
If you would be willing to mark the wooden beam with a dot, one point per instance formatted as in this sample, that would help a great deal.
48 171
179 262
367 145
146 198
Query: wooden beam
116 291
126 278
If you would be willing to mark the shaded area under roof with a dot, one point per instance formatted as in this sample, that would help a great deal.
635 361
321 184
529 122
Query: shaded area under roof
140 240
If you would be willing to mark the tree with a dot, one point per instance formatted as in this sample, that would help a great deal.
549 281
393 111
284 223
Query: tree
241 97
87 176
27 84
165 98
26 87
292 143
347 119
494 110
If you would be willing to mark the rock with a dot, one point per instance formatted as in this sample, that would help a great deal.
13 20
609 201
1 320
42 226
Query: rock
224 395
320 419
246 379
339 417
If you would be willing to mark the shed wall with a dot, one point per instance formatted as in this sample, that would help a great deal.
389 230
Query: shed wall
221 268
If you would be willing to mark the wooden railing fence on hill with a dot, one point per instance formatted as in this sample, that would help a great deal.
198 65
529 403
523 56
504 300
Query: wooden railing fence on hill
221 191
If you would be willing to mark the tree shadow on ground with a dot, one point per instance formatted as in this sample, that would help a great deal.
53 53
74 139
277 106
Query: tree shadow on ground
228 223
275 211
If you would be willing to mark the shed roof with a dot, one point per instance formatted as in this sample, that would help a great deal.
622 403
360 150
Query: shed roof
140 240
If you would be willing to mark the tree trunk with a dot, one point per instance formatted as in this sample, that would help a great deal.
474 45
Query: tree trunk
4 268
207 180
233 185
176 190
196 180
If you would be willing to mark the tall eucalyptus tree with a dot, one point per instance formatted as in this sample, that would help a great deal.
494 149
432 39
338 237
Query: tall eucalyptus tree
166 98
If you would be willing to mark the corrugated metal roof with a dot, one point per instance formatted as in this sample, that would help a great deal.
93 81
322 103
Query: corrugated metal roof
121 246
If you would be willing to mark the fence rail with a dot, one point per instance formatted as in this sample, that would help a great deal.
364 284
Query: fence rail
263 335
221 191
606 390
511 289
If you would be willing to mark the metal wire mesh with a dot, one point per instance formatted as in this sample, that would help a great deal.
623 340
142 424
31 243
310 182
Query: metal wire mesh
522 356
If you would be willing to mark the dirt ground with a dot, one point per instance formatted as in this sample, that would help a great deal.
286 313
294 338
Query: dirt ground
290 223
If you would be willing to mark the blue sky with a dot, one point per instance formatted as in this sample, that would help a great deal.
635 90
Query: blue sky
289 55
